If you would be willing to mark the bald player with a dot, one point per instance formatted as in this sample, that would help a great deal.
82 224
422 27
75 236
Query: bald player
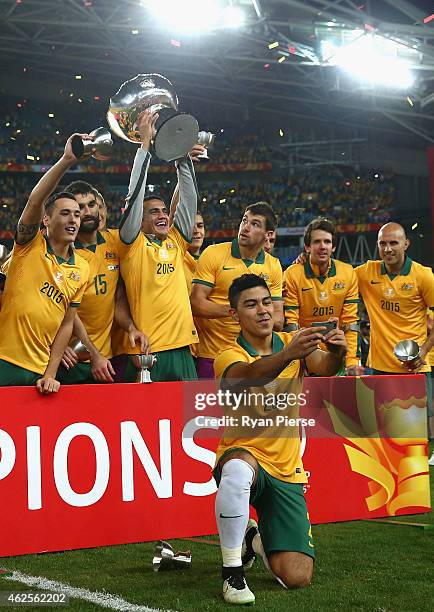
98 307
217 267
397 292
152 263
45 283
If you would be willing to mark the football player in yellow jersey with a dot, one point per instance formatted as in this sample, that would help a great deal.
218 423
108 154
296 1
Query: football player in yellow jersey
98 306
320 287
193 252
265 468
270 242
217 267
44 286
152 263
397 293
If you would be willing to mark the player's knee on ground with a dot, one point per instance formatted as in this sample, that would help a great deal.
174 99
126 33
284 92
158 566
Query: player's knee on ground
294 569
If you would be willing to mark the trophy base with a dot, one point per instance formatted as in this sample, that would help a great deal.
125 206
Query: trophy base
176 134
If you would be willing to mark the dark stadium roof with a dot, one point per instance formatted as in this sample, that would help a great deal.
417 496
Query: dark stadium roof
45 43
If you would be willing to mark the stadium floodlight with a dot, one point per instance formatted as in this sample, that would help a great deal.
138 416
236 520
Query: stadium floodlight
233 17
188 16
371 59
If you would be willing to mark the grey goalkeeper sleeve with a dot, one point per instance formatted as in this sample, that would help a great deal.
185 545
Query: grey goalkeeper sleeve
131 222
185 214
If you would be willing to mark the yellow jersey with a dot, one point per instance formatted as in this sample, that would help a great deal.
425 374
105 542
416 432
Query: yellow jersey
217 267
311 297
39 289
190 263
396 306
153 272
97 307
275 447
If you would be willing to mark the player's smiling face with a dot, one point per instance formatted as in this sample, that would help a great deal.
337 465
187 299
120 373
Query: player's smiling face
254 312
392 245
198 233
89 212
321 247
64 221
252 231
155 218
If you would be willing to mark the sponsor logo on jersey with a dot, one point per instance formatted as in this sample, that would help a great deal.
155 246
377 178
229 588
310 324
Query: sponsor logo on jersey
115 267
323 295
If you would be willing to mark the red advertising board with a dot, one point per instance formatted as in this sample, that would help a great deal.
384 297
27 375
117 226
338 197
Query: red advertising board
98 465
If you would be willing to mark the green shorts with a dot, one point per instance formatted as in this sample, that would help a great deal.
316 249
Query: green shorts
176 364
80 374
12 375
283 519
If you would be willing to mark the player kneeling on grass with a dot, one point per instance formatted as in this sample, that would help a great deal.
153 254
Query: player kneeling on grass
258 460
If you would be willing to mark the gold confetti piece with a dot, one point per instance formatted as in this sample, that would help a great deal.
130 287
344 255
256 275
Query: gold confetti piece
80 100
78 77
222 201
51 115
232 190
282 59
18 131
281 132
410 101
134 31
57 132
414 226
273 45
30 157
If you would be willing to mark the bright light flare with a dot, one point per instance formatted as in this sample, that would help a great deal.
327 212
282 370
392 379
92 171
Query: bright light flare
188 16
233 17
370 59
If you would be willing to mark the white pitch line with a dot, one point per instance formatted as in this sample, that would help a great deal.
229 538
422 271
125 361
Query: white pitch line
105 600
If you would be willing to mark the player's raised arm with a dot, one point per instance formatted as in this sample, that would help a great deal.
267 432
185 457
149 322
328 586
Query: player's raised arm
31 217
185 214
131 221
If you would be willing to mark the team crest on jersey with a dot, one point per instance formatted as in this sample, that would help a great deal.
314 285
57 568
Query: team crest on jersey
323 295
389 292
58 277
407 287
264 276
338 286
163 254
110 255
74 276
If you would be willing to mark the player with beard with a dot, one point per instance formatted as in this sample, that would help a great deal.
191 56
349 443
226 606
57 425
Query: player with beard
45 282
99 307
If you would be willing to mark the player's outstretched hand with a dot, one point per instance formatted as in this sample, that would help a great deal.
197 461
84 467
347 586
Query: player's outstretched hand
304 342
69 358
196 151
47 384
146 126
138 338
415 365
102 369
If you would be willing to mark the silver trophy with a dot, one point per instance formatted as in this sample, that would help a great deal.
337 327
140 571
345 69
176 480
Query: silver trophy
176 133
99 146
165 558
207 140
406 351
80 350
144 363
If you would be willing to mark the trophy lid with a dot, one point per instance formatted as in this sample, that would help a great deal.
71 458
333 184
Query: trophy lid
406 350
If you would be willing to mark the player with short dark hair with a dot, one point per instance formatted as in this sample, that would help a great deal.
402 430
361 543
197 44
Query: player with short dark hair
45 282
218 266
262 464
